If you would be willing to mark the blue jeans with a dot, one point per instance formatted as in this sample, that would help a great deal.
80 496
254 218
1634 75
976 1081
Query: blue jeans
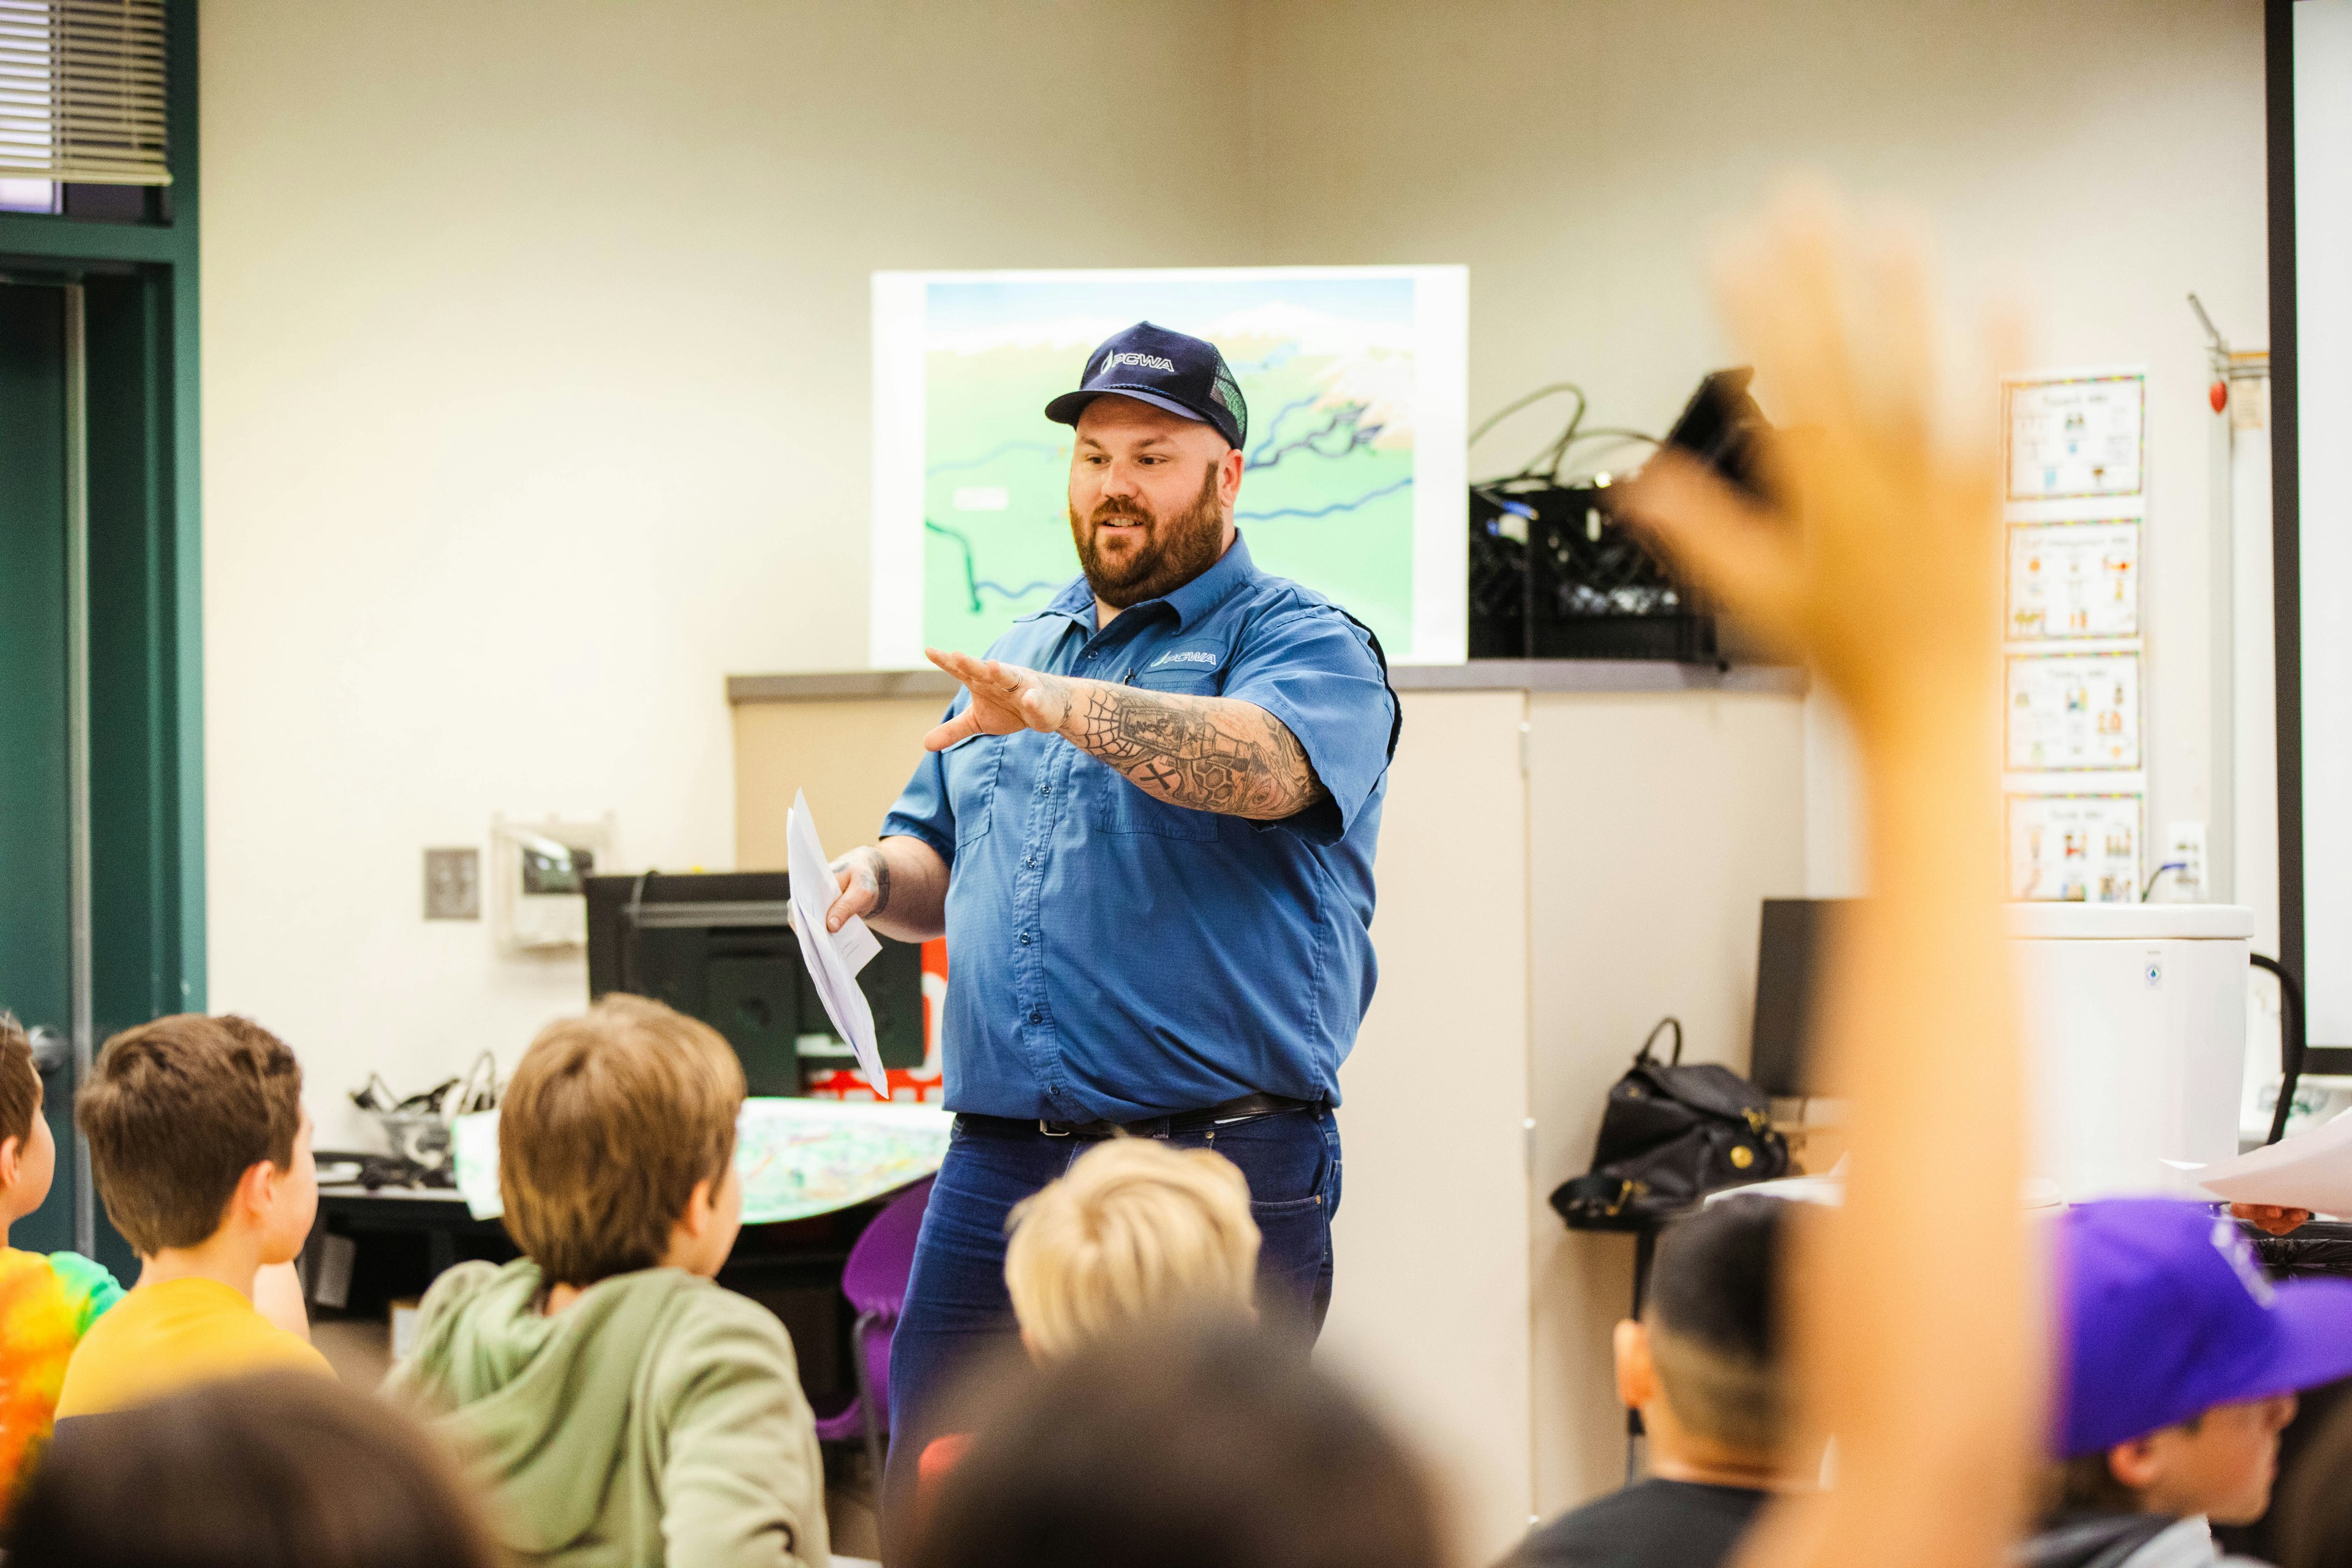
956 1308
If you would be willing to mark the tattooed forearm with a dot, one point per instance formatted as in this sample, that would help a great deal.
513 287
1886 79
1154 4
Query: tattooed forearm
1211 753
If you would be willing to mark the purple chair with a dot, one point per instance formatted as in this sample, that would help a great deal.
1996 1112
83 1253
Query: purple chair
875 1280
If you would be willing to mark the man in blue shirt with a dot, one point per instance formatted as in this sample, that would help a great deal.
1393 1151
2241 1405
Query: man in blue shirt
1146 827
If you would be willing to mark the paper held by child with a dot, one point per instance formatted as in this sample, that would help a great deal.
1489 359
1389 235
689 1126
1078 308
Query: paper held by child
833 958
2309 1171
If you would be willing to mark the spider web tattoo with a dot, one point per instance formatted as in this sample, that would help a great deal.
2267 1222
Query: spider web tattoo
1210 753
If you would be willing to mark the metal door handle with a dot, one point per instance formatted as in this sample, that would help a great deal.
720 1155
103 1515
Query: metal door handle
51 1049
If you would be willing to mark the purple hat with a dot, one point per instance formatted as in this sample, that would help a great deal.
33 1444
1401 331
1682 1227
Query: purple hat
2166 1313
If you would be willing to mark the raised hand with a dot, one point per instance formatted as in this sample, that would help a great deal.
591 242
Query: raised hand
1004 698
1890 586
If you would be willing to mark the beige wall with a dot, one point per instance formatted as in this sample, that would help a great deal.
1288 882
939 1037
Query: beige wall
535 371
850 757
1656 824
2098 159
1430 1301
535 404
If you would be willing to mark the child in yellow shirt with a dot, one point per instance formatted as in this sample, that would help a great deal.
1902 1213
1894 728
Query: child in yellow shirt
46 1302
202 1150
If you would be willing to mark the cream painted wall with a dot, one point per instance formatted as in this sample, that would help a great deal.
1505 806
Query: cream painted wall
534 378
1656 824
2098 159
535 358
1430 1304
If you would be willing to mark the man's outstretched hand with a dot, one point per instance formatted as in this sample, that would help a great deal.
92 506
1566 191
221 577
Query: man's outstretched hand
2269 1218
1005 698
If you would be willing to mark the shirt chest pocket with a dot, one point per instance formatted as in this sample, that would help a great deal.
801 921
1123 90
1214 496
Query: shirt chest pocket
1118 806
973 766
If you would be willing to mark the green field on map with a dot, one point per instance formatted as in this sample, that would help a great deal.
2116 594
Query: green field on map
1326 366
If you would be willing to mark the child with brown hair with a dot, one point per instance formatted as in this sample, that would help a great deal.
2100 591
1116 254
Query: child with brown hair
617 1403
277 1469
201 1149
47 1302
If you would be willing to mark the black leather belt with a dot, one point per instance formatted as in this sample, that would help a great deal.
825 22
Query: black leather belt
1248 1108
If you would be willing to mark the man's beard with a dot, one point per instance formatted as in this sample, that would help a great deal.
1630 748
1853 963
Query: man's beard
1173 553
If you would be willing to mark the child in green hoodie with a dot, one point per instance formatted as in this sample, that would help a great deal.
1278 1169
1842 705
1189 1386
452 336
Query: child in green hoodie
616 1405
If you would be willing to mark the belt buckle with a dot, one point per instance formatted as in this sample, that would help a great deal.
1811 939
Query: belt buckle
1046 1128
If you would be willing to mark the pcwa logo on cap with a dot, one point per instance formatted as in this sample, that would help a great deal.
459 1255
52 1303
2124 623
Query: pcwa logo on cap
1148 362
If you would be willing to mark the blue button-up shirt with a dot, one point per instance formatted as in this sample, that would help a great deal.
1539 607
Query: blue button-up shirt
1111 955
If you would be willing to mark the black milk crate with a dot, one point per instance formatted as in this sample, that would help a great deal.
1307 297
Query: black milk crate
1554 574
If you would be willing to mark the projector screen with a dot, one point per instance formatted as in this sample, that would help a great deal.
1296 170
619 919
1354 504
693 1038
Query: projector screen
2311 355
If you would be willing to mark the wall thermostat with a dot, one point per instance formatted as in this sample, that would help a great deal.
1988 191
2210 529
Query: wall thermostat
538 879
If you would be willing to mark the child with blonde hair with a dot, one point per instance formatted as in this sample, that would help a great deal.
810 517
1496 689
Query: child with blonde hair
1134 1229
1133 1233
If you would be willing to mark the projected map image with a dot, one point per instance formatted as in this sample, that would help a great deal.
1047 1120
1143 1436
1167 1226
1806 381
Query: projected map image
1331 366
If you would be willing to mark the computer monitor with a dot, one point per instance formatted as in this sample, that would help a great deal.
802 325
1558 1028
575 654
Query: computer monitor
718 947
1781 1060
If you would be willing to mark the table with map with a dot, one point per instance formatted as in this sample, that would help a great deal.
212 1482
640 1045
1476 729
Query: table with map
797 1157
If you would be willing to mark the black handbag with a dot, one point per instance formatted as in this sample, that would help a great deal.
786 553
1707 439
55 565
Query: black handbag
1670 1135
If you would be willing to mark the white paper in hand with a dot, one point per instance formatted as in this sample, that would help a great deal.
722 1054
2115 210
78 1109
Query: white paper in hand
2309 1171
834 958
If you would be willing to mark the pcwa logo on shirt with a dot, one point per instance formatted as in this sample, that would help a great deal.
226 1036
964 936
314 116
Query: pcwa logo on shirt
1185 656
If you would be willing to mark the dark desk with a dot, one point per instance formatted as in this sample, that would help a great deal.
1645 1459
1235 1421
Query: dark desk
408 1236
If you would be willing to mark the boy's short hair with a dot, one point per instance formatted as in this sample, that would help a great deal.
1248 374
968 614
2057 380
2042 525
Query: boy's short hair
176 1111
609 1121
1714 1316
1133 1229
1181 1445
20 1082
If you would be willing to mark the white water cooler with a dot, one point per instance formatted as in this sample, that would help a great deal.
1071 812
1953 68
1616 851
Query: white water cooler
2135 1035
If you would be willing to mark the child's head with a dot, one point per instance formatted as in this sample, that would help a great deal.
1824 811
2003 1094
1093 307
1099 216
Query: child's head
2181 1359
28 1151
1133 1229
1705 1362
1205 1444
281 1469
195 1125
616 1145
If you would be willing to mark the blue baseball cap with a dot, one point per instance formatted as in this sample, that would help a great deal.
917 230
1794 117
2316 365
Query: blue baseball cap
2165 1312
1185 375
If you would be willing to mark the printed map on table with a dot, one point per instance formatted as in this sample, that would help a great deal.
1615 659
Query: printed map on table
797 1157
1356 384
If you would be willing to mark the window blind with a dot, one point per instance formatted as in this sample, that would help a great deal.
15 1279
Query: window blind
82 91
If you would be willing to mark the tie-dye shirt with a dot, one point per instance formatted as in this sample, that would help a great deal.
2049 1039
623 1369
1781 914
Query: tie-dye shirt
46 1304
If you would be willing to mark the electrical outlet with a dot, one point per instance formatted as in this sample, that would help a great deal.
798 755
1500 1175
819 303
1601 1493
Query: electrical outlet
453 884
2184 842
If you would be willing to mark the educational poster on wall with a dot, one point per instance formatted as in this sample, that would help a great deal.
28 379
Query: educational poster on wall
2083 848
2073 580
2075 437
1356 384
2072 711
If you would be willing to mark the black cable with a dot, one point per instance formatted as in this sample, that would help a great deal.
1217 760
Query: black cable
1604 432
2291 1043
1533 397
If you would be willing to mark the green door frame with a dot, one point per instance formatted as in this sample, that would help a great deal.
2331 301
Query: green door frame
147 791
144 584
